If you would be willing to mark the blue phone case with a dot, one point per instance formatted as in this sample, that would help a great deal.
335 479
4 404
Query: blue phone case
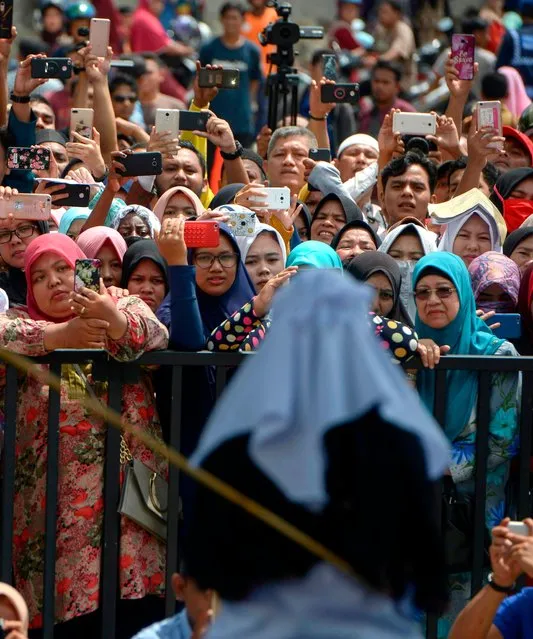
511 325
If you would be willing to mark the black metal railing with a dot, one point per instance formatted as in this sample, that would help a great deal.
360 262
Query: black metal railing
116 374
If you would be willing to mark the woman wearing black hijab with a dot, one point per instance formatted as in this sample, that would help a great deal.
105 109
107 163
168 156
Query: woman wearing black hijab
15 235
513 195
519 247
145 273
381 271
355 238
331 214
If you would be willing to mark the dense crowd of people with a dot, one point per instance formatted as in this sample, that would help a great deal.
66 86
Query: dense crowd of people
439 227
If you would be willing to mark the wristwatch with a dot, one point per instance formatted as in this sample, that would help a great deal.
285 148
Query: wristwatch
19 99
507 590
236 154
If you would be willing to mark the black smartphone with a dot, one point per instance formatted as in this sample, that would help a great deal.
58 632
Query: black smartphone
78 194
320 155
60 68
340 93
142 164
87 274
27 158
221 78
6 18
193 121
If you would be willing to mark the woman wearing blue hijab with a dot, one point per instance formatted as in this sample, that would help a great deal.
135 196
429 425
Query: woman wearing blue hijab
314 254
73 220
446 316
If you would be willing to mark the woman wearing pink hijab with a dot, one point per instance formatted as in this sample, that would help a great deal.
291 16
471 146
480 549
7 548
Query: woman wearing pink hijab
517 99
148 34
108 246
178 202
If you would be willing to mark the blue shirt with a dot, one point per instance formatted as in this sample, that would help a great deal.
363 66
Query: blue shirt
516 51
514 618
234 105
176 627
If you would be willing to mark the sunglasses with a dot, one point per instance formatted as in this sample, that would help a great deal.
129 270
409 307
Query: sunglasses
124 98
442 292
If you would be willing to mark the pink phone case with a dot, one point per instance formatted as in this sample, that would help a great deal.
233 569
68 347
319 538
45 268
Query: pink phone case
463 50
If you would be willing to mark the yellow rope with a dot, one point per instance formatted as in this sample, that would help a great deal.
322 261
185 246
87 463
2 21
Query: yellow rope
177 459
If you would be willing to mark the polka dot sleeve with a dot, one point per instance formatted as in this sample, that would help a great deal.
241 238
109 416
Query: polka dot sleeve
396 337
232 332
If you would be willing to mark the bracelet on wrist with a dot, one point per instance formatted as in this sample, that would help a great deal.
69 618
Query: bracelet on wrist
19 99
507 590
236 154
312 117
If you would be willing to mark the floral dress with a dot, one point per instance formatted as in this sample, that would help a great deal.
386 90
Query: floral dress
245 331
81 465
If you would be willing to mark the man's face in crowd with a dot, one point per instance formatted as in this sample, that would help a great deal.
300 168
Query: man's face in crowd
123 98
13 247
407 195
514 156
387 15
348 11
183 169
59 152
354 159
252 170
232 22
442 190
45 115
150 80
285 165
385 87
53 20
457 176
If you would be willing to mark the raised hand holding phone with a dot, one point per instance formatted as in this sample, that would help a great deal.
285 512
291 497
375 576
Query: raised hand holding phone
171 242
91 304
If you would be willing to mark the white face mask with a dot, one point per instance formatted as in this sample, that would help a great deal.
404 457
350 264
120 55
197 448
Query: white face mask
406 291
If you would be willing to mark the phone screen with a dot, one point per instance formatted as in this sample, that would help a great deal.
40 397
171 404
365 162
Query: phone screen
329 66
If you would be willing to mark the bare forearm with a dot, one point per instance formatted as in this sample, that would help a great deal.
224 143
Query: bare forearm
320 130
104 120
80 99
99 213
471 177
476 619
235 171
455 111
137 195
4 94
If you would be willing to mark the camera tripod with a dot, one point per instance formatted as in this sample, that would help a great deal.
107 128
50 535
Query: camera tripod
282 90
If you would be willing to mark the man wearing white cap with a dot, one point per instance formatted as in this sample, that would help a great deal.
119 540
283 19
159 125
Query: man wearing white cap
355 153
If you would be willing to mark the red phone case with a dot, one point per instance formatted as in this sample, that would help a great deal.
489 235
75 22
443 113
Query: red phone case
463 52
203 234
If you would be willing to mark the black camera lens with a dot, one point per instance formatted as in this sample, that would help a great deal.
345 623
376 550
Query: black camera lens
339 93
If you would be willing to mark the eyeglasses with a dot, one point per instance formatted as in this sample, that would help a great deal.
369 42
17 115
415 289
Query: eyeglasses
385 295
124 98
27 230
206 260
442 292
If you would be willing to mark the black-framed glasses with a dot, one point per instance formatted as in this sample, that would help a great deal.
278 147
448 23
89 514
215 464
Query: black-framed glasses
206 260
23 231
442 292
124 98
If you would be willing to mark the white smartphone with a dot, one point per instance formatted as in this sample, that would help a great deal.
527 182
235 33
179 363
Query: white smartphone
81 121
490 114
27 206
99 36
168 120
275 198
414 123
518 528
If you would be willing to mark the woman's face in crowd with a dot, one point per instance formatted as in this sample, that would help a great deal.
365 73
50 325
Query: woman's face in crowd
216 279
264 260
13 247
312 201
179 205
301 227
53 20
111 265
472 240
133 226
148 283
437 312
354 242
493 293
523 253
384 299
523 190
75 228
328 222
52 281
407 247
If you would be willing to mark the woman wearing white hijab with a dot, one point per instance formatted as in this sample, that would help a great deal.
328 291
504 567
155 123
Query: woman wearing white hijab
13 613
319 438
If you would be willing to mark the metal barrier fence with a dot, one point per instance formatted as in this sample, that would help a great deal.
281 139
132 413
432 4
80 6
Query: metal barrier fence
116 374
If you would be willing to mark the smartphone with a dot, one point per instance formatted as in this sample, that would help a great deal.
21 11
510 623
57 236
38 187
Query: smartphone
203 234
193 121
320 155
78 194
28 158
510 325
87 274
99 36
277 198
51 68
6 18
414 123
490 114
242 224
81 121
168 120
340 93
463 54
329 66
518 528
220 78
149 163
27 206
